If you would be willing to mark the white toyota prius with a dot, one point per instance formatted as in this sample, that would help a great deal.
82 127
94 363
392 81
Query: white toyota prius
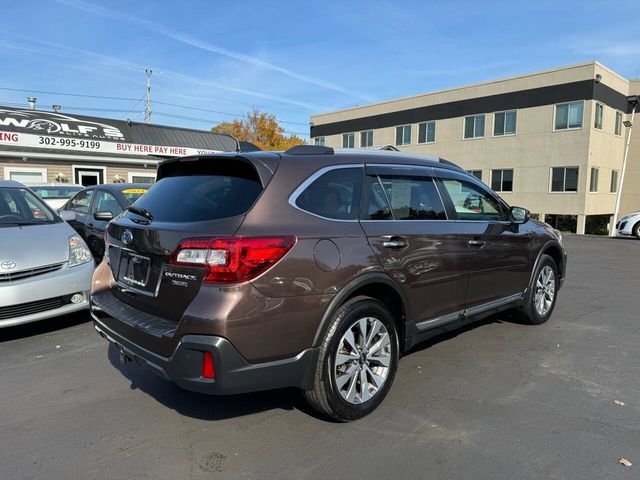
45 266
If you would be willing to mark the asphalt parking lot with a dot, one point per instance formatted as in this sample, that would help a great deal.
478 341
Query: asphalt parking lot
497 401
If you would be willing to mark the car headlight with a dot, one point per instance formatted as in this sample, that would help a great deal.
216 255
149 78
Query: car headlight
79 253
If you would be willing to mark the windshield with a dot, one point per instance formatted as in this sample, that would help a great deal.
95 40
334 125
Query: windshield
133 194
20 206
56 192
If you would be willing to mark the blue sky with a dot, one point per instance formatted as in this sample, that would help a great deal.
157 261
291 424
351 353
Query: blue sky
292 59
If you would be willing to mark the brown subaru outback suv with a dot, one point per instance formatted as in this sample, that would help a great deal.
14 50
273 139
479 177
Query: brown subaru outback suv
313 268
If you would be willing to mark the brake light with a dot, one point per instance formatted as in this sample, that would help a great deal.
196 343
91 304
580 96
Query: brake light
232 259
207 366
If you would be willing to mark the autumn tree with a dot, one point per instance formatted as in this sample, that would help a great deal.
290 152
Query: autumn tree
261 129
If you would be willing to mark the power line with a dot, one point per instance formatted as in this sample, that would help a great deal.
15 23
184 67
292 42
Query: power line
68 94
187 107
84 109
304 124
209 121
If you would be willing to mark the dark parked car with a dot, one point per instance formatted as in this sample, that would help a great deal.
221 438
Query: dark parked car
89 211
313 268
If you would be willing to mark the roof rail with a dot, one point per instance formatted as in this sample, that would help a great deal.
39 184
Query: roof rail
310 150
389 148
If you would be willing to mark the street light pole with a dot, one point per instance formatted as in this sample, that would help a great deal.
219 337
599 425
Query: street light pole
612 230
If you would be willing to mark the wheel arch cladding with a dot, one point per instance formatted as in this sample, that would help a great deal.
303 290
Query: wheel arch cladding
378 287
555 253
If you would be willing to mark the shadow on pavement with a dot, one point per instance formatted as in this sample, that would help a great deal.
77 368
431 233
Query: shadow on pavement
208 407
43 326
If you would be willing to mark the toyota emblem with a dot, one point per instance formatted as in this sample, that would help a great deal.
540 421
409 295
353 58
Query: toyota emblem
8 265
127 237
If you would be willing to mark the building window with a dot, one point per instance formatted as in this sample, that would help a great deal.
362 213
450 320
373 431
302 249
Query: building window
366 138
593 180
427 132
319 141
141 177
599 113
476 173
614 181
403 135
348 140
569 115
504 123
474 126
618 129
564 179
25 174
502 180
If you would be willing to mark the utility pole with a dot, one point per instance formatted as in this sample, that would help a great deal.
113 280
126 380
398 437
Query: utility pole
629 124
147 110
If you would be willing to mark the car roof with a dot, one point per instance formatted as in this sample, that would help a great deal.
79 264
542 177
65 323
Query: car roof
119 187
10 184
52 184
319 156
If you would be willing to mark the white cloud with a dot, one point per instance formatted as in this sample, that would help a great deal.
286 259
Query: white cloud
200 44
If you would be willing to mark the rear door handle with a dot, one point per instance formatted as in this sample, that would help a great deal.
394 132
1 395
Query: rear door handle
476 243
395 243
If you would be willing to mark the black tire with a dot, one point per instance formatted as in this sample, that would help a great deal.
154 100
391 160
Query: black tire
325 396
636 230
528 310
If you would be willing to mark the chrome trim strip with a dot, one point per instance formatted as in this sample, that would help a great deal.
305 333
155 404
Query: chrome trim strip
436 322
469 312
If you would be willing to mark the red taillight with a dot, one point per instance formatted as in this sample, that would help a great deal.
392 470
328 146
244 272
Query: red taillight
232 259
207 366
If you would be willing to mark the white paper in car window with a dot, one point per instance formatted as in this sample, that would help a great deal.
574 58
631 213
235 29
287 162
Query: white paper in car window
400 193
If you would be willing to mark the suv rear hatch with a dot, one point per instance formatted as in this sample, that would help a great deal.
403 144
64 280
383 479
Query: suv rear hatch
194 198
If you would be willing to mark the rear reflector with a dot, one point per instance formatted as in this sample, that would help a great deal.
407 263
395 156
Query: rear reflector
232 259
207 366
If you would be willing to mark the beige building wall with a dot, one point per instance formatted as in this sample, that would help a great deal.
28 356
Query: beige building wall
535 148
53 168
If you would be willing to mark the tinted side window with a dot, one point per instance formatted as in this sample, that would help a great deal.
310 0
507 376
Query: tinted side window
335 194
404 198
471 202
81 202
106 202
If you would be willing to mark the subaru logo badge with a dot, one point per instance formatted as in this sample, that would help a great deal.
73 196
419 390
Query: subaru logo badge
127 237
8 265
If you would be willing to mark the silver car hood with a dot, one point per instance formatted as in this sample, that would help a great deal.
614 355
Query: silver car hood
34 246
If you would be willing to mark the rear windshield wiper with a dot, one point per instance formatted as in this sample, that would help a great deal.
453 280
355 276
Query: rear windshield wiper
143 212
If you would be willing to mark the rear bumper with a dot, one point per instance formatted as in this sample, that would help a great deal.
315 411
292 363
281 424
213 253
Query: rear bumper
233 374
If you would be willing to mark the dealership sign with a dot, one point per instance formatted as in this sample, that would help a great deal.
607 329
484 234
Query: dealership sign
48 123
51 142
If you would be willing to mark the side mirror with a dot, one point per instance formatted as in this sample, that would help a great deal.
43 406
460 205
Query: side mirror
103 216
67 215
519 215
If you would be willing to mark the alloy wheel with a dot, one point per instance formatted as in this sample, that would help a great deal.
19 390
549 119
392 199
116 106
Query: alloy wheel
362 360
545 290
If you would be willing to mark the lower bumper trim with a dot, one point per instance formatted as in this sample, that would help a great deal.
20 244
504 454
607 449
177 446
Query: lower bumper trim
233 373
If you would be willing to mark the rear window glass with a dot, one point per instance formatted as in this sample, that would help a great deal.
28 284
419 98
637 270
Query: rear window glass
335 194
55 192
197 198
